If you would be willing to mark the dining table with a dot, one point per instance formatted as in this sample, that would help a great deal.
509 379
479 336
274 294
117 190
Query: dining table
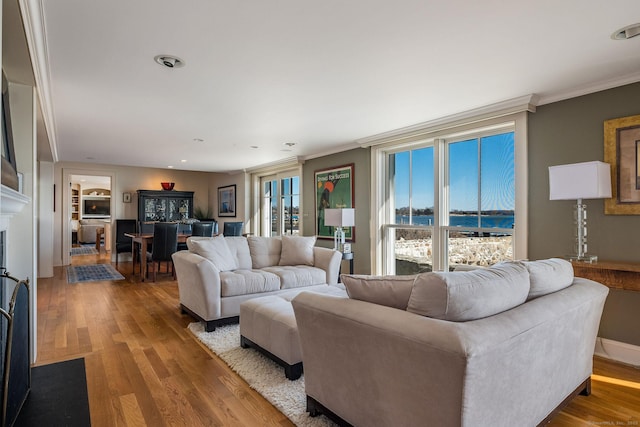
144 240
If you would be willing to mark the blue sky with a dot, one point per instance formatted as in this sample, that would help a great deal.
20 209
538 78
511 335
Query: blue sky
497 160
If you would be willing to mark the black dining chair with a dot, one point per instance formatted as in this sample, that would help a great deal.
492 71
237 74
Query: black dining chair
145 226
202 229
232 228
165 243
124 243
184 229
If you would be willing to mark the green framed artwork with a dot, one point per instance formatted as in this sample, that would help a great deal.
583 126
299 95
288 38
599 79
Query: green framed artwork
334 189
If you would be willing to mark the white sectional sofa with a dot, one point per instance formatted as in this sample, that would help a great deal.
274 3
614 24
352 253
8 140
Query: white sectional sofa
216 274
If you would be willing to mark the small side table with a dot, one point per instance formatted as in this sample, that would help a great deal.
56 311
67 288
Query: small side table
348 257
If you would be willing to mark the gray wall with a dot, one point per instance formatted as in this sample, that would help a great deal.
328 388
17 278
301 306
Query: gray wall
571 131
360 157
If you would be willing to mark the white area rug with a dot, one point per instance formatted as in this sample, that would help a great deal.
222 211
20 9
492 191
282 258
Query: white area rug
262 374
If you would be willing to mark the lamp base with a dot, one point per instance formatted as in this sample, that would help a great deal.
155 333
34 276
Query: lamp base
583 258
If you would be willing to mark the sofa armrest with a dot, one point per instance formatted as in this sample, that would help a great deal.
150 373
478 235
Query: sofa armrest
198 284
383 356
328 260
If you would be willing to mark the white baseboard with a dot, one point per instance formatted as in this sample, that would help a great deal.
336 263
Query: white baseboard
618 351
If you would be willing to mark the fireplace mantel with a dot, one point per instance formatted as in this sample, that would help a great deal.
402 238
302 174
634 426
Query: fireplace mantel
12 203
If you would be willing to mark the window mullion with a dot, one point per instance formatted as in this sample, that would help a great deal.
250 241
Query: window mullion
440 205
479 182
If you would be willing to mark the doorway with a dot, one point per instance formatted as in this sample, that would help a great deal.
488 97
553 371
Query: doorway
86 202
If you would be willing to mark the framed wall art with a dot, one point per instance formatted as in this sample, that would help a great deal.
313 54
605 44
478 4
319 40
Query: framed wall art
334 189
227 201
622 152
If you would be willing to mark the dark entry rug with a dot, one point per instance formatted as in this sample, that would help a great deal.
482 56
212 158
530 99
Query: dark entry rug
58 396
92 273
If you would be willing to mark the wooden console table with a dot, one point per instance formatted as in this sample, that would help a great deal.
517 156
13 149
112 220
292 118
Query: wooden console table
616 275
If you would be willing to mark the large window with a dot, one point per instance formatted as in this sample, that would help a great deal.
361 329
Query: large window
449 202
280 205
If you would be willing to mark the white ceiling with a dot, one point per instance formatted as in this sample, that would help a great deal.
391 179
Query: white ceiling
321 74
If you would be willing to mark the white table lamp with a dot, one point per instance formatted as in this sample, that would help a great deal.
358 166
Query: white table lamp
577 181
343 217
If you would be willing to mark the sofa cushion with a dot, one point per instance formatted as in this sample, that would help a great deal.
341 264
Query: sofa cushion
470 295
548 275
392 291
240 249
298 276
244 282
265 251
216 250
297 250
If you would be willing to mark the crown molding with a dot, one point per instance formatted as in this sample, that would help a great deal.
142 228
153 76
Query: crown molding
286 163
499 109
590 88
335 150
35 31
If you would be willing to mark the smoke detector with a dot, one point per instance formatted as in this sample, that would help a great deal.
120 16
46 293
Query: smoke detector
626 32
169 61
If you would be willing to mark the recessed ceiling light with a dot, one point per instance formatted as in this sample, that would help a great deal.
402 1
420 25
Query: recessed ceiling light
289 144
183 161
198 140
254 147
169 61
170 167
91 158
626 32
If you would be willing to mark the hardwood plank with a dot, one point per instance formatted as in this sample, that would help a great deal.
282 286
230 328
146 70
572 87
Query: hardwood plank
144 368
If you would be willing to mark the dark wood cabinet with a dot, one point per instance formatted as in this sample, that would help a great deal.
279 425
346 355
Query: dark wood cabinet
165 206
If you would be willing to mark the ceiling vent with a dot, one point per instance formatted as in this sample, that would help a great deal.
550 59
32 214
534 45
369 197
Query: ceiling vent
626 32
169 61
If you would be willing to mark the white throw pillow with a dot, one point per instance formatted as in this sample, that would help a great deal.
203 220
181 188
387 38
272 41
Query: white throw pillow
470 295
217 251
265 251
297 250
548 275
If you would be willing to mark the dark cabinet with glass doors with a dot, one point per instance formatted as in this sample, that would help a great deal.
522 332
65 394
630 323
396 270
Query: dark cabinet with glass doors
164 206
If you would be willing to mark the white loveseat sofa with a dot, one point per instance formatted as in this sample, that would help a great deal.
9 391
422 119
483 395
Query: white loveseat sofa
216 274
503 346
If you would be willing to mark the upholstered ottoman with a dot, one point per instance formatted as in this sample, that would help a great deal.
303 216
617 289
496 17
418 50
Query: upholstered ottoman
268 324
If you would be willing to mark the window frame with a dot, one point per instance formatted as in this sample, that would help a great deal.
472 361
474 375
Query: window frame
381 207
289 170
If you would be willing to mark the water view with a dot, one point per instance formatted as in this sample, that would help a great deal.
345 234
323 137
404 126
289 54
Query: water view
487 221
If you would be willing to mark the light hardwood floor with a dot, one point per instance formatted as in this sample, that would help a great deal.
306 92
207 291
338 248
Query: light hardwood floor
145 368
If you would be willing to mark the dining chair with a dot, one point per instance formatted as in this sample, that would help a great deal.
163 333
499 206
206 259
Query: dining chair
124 243
145 226
232 228
165 243
183 229
202 229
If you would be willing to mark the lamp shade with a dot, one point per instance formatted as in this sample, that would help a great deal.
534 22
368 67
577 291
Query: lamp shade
588 180
344 217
